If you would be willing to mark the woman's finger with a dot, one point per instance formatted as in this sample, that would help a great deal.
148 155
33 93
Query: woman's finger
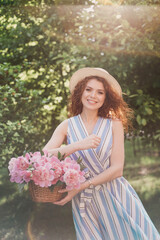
97 141
63 190
61 202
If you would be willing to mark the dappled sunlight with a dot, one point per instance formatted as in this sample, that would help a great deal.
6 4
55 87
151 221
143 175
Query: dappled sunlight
147 160
3 200
121 29
36 220
146 186
29 231
42 45
48 220
141 157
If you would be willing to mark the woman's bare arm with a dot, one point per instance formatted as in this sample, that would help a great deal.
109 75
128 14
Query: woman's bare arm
114 171
58 137
117 157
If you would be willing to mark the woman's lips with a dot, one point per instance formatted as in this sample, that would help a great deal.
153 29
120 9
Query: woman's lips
91 101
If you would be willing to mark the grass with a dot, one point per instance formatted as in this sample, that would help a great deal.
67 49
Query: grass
21 219
15 209
141 157
142 172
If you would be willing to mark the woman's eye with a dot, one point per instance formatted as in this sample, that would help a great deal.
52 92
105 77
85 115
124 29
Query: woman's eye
101 93
88 89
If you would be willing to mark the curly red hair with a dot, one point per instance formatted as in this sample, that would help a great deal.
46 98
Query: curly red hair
114 106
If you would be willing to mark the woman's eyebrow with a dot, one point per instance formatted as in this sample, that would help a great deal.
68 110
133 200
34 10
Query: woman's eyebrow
97 89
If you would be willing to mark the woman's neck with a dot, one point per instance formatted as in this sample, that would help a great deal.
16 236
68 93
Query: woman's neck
89 116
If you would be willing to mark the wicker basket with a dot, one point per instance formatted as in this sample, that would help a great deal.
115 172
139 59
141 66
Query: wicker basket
43 194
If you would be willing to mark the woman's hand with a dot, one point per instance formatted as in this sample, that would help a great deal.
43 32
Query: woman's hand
92 141
68 198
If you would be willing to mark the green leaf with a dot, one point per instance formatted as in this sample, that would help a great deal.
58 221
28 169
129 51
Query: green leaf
21 186
144 122
138 118
52 188
148 110
16 134
150 46
63 156
59 155
59 183
133 95
79 161
139 91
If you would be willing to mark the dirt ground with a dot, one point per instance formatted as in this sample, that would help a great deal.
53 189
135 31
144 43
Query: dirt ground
50 222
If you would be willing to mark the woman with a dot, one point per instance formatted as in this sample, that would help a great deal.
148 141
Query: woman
105 207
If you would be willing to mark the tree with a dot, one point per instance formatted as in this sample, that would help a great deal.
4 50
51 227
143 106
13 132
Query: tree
43 43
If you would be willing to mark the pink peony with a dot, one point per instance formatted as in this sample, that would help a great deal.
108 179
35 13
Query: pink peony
68 163
11 165
26 175
15 177
57 168
73 178
22 163
35 158
43 175
45 170
18 169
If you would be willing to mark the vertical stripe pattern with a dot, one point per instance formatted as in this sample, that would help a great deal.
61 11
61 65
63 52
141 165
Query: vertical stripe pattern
111 211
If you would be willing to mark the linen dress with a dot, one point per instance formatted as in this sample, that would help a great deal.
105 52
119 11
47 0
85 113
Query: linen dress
111 211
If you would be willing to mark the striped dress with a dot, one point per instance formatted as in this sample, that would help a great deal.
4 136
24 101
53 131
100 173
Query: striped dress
111 211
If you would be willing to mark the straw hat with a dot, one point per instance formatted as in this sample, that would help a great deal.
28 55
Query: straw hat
100 72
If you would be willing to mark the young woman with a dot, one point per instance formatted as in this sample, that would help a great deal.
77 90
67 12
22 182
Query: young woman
105 207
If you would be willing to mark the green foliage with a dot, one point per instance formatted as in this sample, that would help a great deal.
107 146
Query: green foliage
43 44
60 156
79 161
21 111
59 183
17 209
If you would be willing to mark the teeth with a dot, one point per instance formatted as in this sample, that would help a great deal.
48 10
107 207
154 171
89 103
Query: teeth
91 101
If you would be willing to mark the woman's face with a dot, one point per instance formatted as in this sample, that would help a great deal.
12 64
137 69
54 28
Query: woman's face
94 95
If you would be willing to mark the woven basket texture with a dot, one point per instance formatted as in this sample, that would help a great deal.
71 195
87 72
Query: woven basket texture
43 194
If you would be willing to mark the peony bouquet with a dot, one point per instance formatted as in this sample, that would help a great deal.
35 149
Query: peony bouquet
46 171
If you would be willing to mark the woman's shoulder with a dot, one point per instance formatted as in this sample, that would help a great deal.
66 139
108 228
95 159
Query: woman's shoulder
112 120
116 120
66 121
62 127
117 124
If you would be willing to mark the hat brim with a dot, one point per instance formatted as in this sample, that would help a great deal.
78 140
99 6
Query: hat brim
86 72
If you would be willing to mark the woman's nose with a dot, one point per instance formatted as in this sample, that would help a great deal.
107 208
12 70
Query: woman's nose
93 94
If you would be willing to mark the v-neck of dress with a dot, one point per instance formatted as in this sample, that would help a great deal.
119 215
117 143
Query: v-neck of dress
94 128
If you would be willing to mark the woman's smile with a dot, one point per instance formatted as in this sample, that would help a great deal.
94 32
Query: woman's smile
94 95
91 101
